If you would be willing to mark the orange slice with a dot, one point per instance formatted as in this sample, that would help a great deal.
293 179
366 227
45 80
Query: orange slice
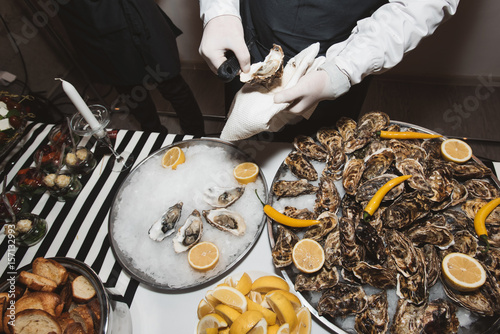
308 256
173 157
462 272
456 150
204 256
246 172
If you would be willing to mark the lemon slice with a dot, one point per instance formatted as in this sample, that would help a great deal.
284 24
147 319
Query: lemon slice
304 321
456 150
204 308
283 309
246 172
246 322
284 329
204 256
173 157
231 297
269 315
227 312
296 303
244 284
462 272
308 256
210 321
265 284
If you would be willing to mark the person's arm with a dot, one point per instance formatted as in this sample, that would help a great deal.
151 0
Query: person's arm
222 31
379 42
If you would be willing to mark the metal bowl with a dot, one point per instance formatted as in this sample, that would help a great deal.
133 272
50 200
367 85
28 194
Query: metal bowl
115 315
127 261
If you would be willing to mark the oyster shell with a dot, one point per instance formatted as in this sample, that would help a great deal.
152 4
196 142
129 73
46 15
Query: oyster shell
327 197
440 317
428 233
432 264
318 232
476 301
346 127
333 255
439 177
324 279
432 147
368 188
334 164
307 146
372 122
368 236
377 163
375 275
282 250
351 251
471 207
221 197
469 170
414 168
351 176
342 299
465 243
189 233
265 71
226 220
293 212
402 252
481 189
408 318
284 188
165 226
375 318
406 209
414 287
330 138
351 209
300 166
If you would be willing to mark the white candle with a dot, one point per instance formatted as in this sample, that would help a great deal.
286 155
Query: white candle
80 105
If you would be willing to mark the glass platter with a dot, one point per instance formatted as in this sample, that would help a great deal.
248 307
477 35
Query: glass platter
162 268
311 298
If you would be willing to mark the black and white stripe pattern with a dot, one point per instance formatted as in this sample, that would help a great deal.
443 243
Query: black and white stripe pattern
79 228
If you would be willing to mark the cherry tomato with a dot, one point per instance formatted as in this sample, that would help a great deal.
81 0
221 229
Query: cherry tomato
15 121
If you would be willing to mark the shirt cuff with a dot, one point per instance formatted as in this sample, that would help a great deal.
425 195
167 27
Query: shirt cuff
339 81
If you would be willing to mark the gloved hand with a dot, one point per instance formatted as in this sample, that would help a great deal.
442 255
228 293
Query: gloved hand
313 87
224 33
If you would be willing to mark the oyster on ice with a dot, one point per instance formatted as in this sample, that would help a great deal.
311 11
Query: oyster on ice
369 188
221 197
284 188
375 275
189 233
327 197
408 319
375 318
300 166
351 175
307 146
164 226
226 220
324 279
265 71
282 250
378 163
481 189
342 299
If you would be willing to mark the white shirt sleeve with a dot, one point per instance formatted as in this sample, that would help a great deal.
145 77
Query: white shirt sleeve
212 8
379 42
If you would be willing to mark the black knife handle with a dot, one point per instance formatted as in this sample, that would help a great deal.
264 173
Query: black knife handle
230 68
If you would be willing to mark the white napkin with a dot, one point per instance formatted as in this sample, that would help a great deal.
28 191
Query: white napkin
253 109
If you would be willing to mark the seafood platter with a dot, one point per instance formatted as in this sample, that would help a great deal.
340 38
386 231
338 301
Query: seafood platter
384 273
159 214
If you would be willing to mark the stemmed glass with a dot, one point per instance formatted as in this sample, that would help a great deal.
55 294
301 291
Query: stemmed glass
80 126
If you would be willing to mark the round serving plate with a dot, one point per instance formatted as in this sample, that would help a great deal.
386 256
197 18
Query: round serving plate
208 162
310 299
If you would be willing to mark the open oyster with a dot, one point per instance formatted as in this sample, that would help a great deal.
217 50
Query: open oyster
220 197
189 233
226 220
265 71
164 226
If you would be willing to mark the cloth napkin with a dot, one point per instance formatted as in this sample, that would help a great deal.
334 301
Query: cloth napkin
253 109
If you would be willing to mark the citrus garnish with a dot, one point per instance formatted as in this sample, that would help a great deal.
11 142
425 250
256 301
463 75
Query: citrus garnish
227 312
173 157
255 296
211 299
244 284
456 150
284 329
291 297
308 255
246 322
246 172
462 272
204 256
265 284
269 315
273 329
283 309
304 321
231 297
204 308
210 321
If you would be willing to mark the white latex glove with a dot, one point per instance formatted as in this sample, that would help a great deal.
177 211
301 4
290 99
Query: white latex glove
223 33
315 86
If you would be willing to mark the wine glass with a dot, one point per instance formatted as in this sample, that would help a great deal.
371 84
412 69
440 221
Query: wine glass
80 126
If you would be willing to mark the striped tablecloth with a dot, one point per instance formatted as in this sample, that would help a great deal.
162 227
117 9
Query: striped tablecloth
78 228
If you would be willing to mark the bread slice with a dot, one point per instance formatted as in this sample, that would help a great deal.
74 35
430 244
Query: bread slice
47 301
95 307
37 282
83 290
65 320
50 269
74 328
3 305
83 315
35 322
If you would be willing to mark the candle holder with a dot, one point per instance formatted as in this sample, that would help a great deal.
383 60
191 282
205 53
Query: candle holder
80 126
